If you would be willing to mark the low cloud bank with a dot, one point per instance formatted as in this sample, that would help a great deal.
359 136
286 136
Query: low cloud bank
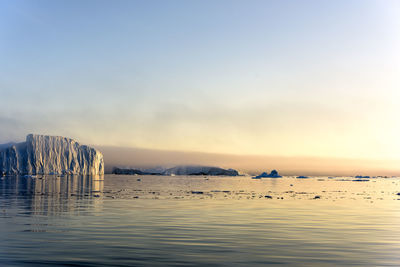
148 158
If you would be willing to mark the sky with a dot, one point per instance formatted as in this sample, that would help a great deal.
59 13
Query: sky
275 78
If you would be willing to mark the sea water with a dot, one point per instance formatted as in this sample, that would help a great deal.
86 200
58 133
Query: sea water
199 220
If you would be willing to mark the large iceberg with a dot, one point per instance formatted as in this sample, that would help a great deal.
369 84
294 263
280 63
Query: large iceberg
42 154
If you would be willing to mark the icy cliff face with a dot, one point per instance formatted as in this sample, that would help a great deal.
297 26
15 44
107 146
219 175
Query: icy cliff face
42 154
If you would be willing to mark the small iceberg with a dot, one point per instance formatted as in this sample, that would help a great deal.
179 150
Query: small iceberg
361 177
273 174
302 177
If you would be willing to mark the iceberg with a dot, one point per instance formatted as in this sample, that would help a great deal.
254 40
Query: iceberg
273 174
361 177
42 154
200 170
180 170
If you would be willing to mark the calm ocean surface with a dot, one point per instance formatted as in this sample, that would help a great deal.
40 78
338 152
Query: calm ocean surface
197 221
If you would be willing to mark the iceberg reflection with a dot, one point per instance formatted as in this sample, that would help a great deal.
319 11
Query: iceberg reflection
52 194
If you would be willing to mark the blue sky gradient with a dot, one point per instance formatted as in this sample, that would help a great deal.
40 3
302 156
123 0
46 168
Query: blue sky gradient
291 78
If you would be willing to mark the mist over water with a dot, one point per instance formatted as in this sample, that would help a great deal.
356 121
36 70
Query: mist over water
197 221
250 164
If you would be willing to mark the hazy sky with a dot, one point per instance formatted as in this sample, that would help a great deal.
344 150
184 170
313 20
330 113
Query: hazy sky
290 78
